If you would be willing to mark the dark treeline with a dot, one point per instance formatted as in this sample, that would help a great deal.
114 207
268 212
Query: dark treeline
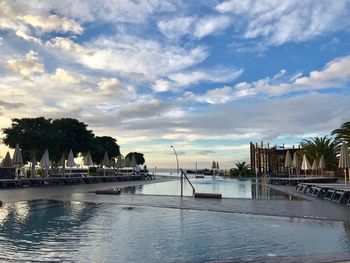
34 135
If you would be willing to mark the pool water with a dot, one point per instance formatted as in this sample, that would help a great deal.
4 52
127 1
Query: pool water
229 188
85 232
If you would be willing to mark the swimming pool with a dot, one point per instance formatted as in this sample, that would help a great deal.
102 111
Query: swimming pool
229 188
86 232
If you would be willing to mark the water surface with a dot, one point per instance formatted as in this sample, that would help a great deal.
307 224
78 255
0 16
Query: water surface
229 188
86 232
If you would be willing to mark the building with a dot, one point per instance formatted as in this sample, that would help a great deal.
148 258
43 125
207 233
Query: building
270 160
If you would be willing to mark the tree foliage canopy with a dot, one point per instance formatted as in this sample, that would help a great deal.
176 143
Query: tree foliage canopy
315 147
102 144
342 134
34 135
138 157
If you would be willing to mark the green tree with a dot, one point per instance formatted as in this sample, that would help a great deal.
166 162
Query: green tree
138 157
100 145
342 134
34 135
69 134
315 147
241 167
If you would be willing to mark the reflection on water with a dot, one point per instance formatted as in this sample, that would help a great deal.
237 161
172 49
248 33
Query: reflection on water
86 232
30 226
229 188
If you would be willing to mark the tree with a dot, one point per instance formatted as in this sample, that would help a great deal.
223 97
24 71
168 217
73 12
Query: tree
69 134
315 147
102 144
34 135
242 167
138 157
342 134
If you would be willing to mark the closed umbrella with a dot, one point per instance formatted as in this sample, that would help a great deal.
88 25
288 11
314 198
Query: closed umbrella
127 162
288 162
45 161
62 162
7 162
105 161
33 161
296 163
305 165
88 160
120 161
17 156
133 161
344 159
322 164
70 160
314 166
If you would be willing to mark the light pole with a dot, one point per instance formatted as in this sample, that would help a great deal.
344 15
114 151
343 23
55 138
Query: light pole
177 160
177 163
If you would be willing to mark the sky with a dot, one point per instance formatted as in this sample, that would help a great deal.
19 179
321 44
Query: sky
207 77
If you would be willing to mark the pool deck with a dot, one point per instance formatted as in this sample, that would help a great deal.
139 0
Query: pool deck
309 208
51 192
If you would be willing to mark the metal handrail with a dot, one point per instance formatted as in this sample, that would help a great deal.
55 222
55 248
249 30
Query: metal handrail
183 173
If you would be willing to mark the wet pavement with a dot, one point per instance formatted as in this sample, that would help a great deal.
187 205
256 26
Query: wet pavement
33 193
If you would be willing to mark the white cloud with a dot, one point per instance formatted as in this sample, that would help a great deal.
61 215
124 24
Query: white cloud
212 75
27 37
213 96
93 10
144 58
209 25
181 80
176 27
194 26
26 65
52 23
335 74
161 85
288 21
65 44
64 76
27 26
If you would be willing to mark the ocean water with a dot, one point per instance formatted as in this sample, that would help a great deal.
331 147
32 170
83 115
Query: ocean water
51 231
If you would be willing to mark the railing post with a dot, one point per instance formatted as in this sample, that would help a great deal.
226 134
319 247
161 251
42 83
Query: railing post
182 183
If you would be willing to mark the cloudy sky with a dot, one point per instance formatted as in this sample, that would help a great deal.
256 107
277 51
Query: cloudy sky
206 77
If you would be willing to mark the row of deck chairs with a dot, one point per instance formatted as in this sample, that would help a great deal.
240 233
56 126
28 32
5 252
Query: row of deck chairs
332 192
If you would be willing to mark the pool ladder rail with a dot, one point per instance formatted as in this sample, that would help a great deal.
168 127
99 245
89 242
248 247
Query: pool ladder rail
200 195
183 174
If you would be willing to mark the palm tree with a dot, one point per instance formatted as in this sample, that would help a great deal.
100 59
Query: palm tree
241 167
342 134
315 147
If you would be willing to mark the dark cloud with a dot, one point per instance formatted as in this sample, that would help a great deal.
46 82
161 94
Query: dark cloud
9 105
206 152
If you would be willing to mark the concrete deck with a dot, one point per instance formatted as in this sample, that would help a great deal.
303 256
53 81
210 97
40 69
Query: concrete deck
285 208
50 192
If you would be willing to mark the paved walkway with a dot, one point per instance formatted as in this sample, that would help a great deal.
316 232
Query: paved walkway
286 208
49 192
